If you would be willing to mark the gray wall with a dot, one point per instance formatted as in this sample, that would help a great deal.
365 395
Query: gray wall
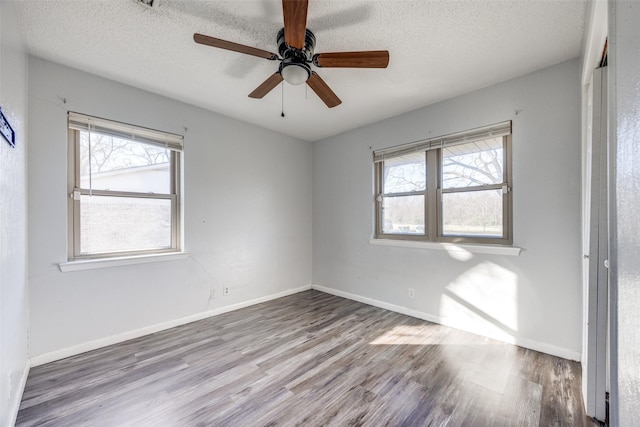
534 299
624 125
13 218
247 221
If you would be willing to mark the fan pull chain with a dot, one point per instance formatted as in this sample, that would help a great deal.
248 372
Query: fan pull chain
282 113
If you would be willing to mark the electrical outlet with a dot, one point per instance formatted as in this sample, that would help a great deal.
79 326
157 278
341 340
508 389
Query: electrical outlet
226 291
412 293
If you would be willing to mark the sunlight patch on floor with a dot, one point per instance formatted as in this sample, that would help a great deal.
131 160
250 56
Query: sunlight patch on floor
410 335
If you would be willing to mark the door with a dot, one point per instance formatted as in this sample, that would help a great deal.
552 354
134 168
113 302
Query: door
598 282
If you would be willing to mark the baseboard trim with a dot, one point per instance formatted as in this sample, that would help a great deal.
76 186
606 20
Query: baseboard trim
136 333
118 338
522 342
15 405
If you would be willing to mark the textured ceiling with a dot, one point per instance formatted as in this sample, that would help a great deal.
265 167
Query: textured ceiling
438 49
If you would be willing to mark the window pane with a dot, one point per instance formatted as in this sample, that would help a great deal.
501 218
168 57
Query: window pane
475 163
114 224
403 215
473 213
405 173
123 165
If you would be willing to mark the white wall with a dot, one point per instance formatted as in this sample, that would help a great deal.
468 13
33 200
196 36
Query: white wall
534 299
624 137
13 218
247 221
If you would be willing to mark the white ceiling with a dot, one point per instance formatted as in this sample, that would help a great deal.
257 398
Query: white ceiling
438 49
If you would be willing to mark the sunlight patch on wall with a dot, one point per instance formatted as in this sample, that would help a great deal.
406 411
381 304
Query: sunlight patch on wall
484 300
457 252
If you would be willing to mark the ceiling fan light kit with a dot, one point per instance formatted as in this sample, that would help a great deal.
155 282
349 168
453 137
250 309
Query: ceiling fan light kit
296 46
294 73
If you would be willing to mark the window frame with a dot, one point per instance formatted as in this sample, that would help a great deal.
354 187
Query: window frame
75 190
433 207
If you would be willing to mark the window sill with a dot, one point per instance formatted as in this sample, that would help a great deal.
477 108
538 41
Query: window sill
450 247
90 264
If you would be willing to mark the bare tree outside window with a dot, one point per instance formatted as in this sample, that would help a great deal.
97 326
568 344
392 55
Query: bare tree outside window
473 166
110 163
476 163
109 153
125 189
465 198
405 180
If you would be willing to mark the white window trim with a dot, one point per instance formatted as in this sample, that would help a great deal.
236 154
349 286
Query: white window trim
450 247
91 264
175 143
433 230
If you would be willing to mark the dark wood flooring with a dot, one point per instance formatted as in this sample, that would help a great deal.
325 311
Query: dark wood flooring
310 359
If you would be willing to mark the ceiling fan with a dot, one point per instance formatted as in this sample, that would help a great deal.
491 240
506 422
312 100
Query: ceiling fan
296 46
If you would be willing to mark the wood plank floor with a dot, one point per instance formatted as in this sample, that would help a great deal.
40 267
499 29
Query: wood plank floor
310 359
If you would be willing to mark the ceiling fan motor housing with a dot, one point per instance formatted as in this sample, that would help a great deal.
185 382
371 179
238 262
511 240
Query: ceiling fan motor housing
297 57
306 52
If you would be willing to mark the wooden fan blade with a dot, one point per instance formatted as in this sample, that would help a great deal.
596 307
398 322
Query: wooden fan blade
364 59
235 47
295 22
323 90
267 86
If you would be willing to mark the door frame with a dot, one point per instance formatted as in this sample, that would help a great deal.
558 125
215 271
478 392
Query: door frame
594 298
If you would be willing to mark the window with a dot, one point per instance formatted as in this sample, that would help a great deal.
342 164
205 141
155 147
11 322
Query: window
455 188
124 189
